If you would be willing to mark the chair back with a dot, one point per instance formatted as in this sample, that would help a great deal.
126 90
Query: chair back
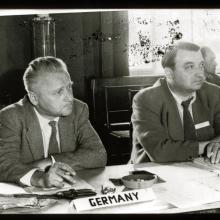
110 101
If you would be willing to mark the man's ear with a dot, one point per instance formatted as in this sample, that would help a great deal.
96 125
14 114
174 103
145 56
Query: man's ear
168 73
33 98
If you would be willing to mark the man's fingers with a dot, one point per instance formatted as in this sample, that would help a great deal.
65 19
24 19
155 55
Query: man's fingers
56 183
66 168
209 150
206 159
216 153
69 179
66 176
54 180
64 172
54 177
213 151
217 159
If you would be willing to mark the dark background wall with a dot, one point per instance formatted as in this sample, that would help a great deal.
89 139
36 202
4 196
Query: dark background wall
72 45
15 53
86 56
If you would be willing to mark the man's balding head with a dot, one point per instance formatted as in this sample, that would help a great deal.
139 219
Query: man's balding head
209 60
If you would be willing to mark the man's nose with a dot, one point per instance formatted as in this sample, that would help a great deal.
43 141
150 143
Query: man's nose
201 73
69 96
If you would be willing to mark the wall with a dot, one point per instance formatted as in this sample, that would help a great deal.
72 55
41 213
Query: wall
86 56
72 32
115 53
15 53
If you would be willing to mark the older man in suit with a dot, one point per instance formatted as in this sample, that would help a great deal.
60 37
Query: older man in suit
47 135
210 66
178 118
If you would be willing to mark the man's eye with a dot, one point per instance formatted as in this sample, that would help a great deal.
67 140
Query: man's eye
59 92
189 67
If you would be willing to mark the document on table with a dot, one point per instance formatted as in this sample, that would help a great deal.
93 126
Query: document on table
80 184
186 186
201 162
212 182
178 171
186 194
9 189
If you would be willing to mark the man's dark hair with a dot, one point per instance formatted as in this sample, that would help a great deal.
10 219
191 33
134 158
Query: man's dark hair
168 59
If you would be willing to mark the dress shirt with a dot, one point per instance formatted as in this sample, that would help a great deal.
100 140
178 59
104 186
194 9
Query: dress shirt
179 101
46 133
46 130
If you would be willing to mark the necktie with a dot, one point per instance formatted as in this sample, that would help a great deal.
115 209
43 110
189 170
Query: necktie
53 144
188 124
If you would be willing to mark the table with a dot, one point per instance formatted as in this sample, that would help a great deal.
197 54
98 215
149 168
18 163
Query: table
96 178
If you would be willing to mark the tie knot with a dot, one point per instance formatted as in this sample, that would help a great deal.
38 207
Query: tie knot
52 123
186 103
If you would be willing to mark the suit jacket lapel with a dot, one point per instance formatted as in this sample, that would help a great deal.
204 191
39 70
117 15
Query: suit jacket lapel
34 136
173 118
200 115
199 112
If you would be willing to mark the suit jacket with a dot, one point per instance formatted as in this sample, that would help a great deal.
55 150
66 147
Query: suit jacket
158 133
214 79
23 144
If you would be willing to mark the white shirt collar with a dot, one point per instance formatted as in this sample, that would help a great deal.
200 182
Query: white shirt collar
180 99
44 121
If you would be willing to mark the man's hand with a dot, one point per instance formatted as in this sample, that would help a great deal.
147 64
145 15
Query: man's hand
56 176
42 164
213 152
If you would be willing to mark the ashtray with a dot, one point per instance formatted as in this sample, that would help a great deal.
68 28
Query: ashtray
139 181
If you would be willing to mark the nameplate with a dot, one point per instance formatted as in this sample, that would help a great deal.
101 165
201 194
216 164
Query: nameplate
116 199
202 125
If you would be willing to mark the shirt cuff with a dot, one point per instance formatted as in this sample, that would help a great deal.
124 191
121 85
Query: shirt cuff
26 179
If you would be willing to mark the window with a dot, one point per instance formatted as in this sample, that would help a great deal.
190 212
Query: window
150 31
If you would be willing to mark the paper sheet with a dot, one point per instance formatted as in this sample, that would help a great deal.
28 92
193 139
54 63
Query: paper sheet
186 186
200 161
178 171
212 182
185 194
8 188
